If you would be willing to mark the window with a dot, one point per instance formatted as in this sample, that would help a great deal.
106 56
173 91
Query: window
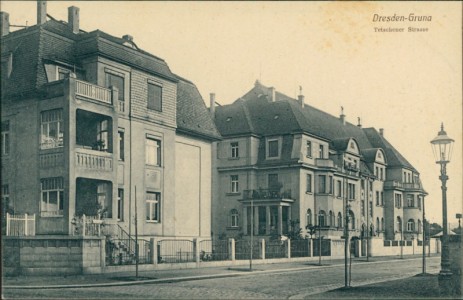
377 172
121 144
419 202
234 218
102 137
63 73
234 186
153 152
399 224
308 186
419 226
381 173
52 129
339 189
153 207
370 208
52 197
381 196
272 146
382 224
351 220
5 144
321 151
351 191
411 225
362 207
322 184
410 200
377 198
405 177
5 200
116 81
362 184
321 218
273 183
330 219
120 204
309 149
398 200
234 150
377 225
339 220
330 183
154 97
309 217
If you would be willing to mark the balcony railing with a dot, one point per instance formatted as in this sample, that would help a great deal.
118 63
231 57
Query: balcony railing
393 184
94 92
94 160
412 185
266 194
324 163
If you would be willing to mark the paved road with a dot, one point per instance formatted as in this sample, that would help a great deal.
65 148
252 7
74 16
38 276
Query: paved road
256 285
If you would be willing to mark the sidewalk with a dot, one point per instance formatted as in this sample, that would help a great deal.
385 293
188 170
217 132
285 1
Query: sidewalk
163 276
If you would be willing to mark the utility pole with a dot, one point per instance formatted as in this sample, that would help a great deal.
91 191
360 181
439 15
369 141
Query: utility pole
136 235
424 240
252 233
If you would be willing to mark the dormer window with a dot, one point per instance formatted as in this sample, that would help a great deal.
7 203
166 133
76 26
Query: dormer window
234 150
309 149
273 148
321 152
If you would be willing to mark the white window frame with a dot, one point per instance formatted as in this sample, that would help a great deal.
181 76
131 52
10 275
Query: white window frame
47 187
234 218
234 150
411 225
309 149
267 150
321 151
153 155
153 207
234 184
308 183
52 116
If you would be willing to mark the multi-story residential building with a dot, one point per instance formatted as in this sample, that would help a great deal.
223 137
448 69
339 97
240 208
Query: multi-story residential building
92 124
282 160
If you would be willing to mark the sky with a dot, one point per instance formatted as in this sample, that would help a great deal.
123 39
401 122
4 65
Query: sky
405 82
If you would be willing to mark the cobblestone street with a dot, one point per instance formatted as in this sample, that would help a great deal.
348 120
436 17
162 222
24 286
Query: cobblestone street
299 284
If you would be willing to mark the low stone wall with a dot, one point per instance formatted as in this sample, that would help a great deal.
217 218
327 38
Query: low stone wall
378 247
52 255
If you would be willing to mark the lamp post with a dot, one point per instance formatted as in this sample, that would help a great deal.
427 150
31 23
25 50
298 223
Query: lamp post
442 149
400 225
424 239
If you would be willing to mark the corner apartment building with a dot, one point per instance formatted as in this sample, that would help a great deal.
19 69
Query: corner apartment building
92 124
282 160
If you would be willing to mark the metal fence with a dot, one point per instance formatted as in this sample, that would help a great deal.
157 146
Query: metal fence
175 251
123 252
275 249
300 248
243 249
325 247
213 250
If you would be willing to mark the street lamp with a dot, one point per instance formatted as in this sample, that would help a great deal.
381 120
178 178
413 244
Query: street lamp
442 149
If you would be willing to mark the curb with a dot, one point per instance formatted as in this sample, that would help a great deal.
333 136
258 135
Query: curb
192 278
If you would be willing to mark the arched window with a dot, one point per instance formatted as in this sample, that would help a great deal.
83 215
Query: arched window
309 218
399 224
234 218
419 226
377 224
372 230
339 220
382 224
331 219
321 218
411 225
351 220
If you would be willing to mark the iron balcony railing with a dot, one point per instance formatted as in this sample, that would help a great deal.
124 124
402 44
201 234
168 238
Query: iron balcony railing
267 194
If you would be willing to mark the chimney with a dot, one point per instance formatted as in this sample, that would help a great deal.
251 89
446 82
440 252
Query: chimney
381 131
300 98
4 23
342 117
128 38
212 105
272 96
359 122
73 19
41 12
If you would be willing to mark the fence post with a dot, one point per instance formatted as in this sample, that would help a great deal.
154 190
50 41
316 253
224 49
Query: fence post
310 247
153 251
33 224
25 224
102 253
262 249
196 250
288 248
84 224
231 249
7 224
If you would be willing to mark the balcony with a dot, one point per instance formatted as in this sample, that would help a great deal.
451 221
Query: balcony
324 163
267 194
412 186
94 160
93 92
393 184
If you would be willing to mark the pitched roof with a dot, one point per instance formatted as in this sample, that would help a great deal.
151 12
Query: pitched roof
192 115
286 115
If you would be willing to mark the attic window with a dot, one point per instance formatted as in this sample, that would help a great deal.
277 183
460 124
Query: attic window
276 117
229 119
352 145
